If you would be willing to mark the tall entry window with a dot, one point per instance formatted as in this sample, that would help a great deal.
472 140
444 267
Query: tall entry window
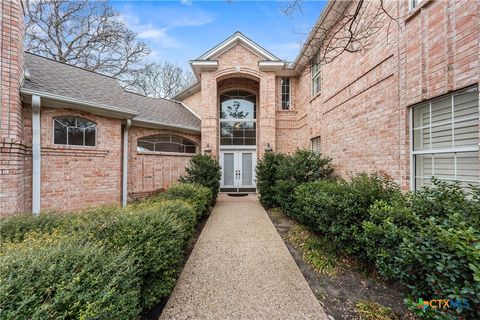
238 118
285 93
445 139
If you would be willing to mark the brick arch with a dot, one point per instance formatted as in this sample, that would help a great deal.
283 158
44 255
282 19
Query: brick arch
242 83
237 73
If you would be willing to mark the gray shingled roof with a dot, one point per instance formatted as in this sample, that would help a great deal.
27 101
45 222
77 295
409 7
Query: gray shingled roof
55 78
162 111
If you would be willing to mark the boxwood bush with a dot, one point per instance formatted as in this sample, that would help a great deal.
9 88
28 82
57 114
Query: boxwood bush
60 277
144 241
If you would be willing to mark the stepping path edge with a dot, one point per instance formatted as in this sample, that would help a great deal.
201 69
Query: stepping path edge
240 268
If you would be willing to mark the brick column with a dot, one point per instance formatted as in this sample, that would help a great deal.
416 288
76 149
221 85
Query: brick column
209 113
266 114
12 146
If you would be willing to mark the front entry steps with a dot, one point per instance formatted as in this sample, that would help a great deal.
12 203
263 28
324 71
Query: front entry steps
225 196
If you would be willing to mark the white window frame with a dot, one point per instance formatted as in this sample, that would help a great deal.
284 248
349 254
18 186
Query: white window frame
170 140
453 150
319 143
413 3
289 86
74 145
315 76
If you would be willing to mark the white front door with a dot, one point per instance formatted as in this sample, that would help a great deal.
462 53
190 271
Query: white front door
238 170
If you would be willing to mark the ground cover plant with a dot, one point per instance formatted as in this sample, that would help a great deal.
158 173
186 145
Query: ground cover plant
428 240
100 263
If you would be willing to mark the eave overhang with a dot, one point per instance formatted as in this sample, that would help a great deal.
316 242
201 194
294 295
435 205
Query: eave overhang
58 101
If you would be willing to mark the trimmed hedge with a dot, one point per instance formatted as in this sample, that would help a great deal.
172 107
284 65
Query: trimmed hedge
200 197
145 241
428 240
57 277
337 209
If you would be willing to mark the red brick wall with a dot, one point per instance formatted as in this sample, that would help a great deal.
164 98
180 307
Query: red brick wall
362 111
12 148
151 171
75 177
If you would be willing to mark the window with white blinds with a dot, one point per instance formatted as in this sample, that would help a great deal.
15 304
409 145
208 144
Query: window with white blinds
316 145
445 139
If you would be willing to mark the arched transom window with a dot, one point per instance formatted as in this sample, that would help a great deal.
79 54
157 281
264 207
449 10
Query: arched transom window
74 131
238 115
166 143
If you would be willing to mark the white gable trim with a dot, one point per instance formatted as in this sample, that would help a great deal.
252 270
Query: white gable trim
237 38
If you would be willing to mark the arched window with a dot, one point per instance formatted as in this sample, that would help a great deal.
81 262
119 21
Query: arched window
166 143
238 115
74 131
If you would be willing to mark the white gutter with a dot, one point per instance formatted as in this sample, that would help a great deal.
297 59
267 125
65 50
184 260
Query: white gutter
56 97
125 164
142 122
36 155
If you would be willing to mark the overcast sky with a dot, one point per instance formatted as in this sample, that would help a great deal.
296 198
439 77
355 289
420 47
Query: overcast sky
179 31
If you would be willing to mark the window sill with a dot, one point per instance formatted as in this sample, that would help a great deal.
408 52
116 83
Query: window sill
286 111
316 96
415 11
74 151
173 154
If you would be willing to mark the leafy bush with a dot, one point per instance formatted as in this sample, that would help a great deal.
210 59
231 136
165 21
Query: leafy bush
206 171
431 243
301 167
151 235
57 277
154 241
337 209
266 177
199 196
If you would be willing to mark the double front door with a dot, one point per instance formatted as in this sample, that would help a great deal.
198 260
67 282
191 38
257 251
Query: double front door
238 170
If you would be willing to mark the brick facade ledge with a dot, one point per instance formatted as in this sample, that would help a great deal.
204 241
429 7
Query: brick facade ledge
79 152
159 153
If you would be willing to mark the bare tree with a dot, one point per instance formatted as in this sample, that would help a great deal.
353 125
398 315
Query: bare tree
160 80
88 34
349 27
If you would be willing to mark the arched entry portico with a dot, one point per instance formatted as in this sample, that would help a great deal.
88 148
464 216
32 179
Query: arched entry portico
237 107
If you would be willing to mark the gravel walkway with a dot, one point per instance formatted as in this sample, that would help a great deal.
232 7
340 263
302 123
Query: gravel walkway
241 269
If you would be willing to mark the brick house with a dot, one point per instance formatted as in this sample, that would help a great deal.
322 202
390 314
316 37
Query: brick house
408 106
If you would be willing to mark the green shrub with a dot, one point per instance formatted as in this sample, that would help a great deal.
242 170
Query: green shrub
200 197
266 177
152 234
60 277
338 208
430 243
205 171
154 241
300 167
14 228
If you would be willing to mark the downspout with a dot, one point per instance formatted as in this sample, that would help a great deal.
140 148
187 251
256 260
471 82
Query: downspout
125 163
36 155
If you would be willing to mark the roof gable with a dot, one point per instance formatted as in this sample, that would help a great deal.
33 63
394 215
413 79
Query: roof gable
230 42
